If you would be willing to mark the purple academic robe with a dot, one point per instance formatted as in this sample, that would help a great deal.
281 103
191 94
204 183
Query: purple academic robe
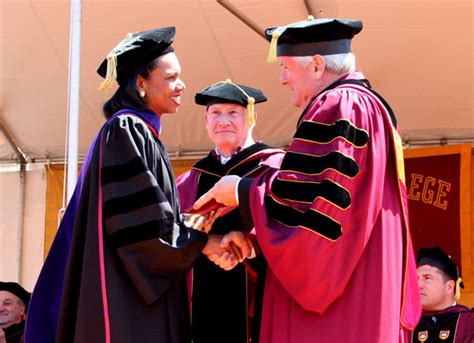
332 225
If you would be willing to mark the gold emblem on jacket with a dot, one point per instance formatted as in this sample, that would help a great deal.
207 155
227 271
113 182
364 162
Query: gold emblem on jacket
422 336
444 334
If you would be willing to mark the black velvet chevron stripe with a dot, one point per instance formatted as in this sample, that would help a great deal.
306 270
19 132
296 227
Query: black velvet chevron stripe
211 164
308 191
142 198
309 164
244 168
323 133
139 233
311 220
122 172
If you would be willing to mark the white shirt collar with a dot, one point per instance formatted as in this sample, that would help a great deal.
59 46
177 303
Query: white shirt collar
248 142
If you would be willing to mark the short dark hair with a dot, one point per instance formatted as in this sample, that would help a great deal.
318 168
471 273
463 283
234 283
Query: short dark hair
438 258
126 95
446 278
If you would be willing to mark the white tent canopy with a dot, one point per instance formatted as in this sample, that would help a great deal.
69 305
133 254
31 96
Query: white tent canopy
418 54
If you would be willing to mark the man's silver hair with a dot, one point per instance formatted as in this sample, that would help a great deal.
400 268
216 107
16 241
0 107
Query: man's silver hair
338 64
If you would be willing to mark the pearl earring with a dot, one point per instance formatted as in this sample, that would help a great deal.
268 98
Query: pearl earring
142 93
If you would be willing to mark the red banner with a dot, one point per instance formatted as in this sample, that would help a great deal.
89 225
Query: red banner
436 186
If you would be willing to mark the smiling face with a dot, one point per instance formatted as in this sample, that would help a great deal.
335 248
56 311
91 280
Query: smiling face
227 126
12 309
301 79
163 87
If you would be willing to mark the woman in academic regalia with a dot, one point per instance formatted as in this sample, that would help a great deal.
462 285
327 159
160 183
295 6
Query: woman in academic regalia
116 271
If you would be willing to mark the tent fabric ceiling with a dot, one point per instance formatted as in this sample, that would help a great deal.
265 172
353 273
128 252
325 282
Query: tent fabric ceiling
418 54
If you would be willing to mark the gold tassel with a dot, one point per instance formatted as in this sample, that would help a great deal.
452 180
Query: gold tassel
458 289
272 52
111 74
399 155
251 111
250 101
250 104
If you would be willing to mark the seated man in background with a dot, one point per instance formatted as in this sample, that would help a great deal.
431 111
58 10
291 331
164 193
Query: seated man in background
220 299
14 301
443 320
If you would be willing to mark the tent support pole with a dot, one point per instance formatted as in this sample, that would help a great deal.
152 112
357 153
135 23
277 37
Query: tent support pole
74 95
21 222
22 161
309 8
239 14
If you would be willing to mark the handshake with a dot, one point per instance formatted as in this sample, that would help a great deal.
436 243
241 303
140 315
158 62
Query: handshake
224 250
227 250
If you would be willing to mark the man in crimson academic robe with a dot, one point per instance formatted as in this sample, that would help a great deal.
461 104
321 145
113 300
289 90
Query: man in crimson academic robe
443 319
331 222
221 300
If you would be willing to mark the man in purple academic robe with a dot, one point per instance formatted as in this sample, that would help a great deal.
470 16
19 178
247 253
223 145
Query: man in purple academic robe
332 221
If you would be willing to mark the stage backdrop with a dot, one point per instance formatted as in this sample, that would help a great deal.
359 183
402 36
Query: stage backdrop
439 195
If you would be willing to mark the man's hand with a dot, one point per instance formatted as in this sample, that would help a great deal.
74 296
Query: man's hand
224 191
214 252
237 240
236 248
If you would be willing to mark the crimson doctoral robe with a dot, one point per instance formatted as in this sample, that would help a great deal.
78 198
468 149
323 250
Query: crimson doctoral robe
452 325
332 226
220 299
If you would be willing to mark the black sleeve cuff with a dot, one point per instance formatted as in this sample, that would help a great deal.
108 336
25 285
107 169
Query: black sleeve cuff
244 204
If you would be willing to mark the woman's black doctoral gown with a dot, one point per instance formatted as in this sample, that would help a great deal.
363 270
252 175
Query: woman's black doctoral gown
124 275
